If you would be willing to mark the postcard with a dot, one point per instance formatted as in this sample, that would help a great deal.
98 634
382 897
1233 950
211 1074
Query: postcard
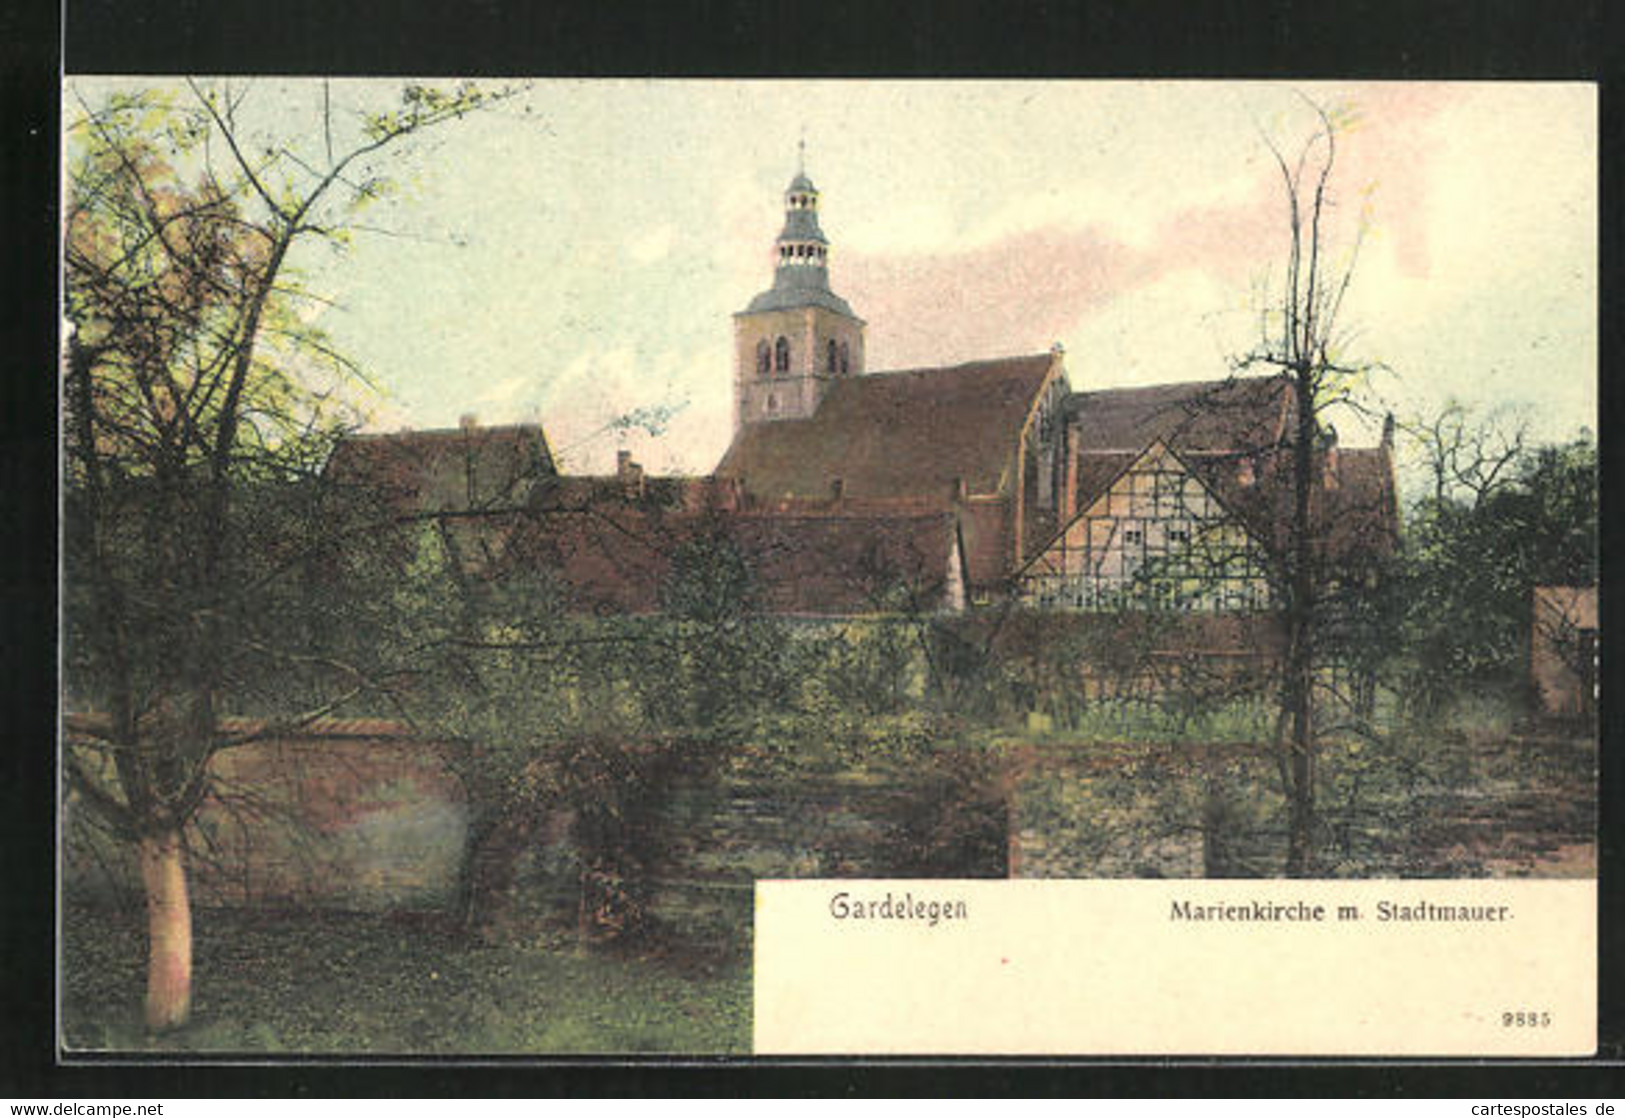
778 568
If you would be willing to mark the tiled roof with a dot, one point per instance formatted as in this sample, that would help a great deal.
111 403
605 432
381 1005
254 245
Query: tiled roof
845 564
616 557
1232 414
606 556
464 469
910 433
1097 470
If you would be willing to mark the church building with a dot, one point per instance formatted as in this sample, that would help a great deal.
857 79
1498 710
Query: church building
849 491
814 430
1168 497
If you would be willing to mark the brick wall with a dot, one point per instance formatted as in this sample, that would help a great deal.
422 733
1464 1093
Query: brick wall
345 820
373 822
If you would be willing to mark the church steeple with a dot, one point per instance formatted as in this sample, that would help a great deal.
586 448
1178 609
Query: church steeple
803 250
798 335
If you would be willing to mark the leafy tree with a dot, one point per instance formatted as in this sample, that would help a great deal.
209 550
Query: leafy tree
197 393
1498 519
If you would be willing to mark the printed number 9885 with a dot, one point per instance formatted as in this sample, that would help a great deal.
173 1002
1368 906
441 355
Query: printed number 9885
1526 1019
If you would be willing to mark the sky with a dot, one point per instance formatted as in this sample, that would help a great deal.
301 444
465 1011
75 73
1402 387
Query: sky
578 253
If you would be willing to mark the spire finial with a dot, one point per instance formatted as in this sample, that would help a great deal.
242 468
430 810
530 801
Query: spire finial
801 152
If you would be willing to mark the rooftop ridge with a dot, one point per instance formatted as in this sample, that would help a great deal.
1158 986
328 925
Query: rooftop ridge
1007 360
1192 385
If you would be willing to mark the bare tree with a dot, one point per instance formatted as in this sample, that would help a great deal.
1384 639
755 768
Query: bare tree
195 386
1468 456
1304 341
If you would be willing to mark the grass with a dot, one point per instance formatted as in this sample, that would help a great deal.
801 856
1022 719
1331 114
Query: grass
366 984
1469 794
1238 721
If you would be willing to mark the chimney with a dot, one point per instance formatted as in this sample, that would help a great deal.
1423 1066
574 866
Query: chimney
629 473
1329 471
1388 432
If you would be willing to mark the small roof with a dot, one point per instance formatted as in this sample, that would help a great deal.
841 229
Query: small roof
458 469
791 296
802 182
802 225
918 432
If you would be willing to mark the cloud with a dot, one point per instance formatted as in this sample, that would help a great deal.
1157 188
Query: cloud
1135 222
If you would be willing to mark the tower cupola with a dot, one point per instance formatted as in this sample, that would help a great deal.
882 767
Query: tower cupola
803 250
796 337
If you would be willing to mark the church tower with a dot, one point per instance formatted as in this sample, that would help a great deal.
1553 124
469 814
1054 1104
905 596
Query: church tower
798 336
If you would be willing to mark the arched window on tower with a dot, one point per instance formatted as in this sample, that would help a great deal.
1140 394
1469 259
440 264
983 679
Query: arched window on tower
764 358
781 355
832 358
846 358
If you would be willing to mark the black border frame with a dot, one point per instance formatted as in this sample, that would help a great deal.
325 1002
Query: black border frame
1445 39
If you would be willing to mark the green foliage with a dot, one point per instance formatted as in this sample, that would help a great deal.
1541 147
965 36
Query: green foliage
1473 559
201 401
555 714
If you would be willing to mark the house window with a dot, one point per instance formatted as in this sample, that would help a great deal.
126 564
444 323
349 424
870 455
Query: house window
837 488
845 358
772 403
1133 537
831 357
764 358
781 355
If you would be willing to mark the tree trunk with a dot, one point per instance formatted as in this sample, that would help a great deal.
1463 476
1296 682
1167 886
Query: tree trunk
1301 815
1301 608
169 931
